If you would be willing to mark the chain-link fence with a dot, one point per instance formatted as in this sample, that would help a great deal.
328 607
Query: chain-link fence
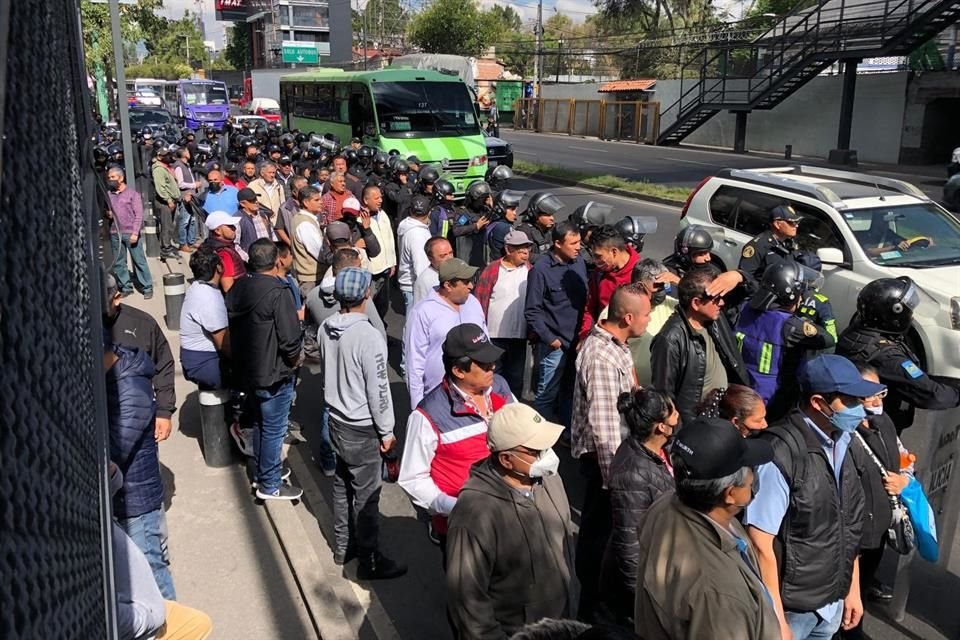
54 552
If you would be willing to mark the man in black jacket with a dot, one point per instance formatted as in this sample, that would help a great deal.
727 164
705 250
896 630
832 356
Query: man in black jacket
267 350
133 328
695 350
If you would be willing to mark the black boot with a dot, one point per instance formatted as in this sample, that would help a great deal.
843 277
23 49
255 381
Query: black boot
379 567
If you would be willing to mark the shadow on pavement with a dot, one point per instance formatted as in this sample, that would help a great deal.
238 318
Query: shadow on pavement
169 486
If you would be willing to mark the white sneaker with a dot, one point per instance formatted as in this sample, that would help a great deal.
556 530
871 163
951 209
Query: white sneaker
243 439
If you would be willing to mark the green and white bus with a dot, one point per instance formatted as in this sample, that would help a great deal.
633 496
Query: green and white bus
415 111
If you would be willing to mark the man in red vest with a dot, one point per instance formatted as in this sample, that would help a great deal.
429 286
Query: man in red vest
447 432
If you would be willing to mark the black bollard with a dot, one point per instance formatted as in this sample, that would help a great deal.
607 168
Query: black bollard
788 152
174 290
150 238
217 444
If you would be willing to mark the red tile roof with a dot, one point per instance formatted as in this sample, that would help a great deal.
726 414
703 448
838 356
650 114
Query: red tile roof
618 86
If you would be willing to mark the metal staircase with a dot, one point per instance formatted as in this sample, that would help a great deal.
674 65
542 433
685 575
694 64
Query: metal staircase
762 73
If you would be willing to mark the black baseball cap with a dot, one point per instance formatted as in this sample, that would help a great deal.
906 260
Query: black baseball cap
713 448
469 341
247 194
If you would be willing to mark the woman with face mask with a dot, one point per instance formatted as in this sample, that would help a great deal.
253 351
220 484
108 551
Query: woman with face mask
640 473
876 437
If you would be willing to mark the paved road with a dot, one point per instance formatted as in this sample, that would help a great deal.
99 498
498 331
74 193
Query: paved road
415 604
678 166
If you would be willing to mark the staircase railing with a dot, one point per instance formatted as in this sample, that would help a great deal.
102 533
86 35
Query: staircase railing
798 46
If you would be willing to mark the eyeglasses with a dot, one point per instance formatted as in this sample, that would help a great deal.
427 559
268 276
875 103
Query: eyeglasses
711 299
881 395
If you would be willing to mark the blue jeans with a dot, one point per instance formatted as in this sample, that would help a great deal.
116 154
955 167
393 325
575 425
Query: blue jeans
811 626
149 532
325 455
140 268
186 229
554 396
273 412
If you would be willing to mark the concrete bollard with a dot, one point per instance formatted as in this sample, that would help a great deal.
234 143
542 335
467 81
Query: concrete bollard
174 290
217 445
150 237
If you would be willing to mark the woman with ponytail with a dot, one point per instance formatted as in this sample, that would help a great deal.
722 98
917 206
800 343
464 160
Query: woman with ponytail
640 473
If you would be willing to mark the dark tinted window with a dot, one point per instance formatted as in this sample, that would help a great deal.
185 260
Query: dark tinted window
753 211
816 230
723 205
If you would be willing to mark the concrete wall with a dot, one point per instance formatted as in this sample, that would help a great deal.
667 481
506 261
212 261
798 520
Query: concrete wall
585 91
808 119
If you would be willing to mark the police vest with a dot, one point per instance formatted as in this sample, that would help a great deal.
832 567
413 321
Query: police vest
760 337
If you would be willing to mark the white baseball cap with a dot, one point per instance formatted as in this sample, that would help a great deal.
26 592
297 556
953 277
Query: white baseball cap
519 425
220 218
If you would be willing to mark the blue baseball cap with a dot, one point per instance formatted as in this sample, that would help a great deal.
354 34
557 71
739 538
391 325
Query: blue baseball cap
351 284
835 374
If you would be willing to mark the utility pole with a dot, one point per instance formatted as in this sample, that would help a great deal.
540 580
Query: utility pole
559 57
538 62
187 36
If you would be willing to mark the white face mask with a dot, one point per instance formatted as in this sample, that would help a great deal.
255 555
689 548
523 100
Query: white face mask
877 410
547 464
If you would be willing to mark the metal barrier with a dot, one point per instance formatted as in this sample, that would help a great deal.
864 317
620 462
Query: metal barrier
609 120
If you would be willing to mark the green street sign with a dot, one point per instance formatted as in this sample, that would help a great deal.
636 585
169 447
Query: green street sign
305 53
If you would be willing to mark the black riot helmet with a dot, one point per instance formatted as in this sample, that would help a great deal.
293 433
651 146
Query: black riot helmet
783 284
300 137
691 240
635 228
351 156
888 304
498 176
441 188
506 199
365 154
400 166
542 204
591 214
380 160
428 174
476 196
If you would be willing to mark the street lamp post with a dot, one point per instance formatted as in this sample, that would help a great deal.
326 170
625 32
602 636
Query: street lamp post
559 57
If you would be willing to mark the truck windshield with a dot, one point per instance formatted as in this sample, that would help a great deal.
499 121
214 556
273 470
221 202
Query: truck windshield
424 109
201 95
917 235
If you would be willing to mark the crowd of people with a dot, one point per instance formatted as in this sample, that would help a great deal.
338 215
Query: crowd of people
725 432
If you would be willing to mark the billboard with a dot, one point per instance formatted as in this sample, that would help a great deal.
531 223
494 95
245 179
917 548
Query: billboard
239 10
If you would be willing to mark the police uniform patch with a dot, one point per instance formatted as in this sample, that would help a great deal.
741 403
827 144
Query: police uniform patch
912 370
809 330
749 251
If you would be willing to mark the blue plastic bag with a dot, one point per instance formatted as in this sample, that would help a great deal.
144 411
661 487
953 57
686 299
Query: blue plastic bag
921 515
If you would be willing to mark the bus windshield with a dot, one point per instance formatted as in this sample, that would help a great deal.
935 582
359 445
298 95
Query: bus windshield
201 95
422 109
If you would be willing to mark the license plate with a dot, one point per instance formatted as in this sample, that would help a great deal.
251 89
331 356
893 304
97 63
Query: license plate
940 477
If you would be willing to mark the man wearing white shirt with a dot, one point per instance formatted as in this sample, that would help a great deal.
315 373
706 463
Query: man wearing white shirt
383 265
308 243
269 191
413 234
438 250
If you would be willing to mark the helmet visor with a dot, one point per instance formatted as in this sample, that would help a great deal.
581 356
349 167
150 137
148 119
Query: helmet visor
911 297
550 206
597 213
510 198
811 278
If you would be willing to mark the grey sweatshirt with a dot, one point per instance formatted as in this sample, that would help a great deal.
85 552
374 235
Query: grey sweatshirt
140 608
355 383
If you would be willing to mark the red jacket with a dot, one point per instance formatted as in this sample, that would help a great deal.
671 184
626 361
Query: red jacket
487 281
601 287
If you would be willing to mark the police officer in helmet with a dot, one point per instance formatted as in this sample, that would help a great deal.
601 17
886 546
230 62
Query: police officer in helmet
538 220
426 178
774 340
398 192
469 222
877 336
692 249
505 204
442 213
773 245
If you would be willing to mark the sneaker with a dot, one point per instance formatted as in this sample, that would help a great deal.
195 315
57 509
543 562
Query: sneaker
148 294
284 477
283 492
379 567
242 438
126 293
186 248
332 471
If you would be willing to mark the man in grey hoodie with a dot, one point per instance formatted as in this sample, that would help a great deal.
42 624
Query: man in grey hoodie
356 391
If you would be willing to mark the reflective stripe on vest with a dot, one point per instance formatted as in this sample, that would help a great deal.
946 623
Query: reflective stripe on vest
760 334
766 358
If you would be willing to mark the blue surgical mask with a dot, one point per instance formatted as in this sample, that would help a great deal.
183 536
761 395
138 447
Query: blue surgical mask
848 418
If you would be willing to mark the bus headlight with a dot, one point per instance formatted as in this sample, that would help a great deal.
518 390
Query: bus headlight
477 161
955 313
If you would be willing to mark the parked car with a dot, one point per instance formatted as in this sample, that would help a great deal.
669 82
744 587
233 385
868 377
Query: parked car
141 116
499 151
147 99
862 227
255 121
266 108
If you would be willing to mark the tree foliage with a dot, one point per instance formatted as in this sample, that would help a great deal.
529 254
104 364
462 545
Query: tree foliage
170 43
161 71
452 26
386 23
237 51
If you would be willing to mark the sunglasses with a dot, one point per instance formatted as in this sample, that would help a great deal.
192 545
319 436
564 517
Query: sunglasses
711 299
792 223
881 395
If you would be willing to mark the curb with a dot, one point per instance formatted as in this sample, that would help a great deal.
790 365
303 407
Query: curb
623 193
